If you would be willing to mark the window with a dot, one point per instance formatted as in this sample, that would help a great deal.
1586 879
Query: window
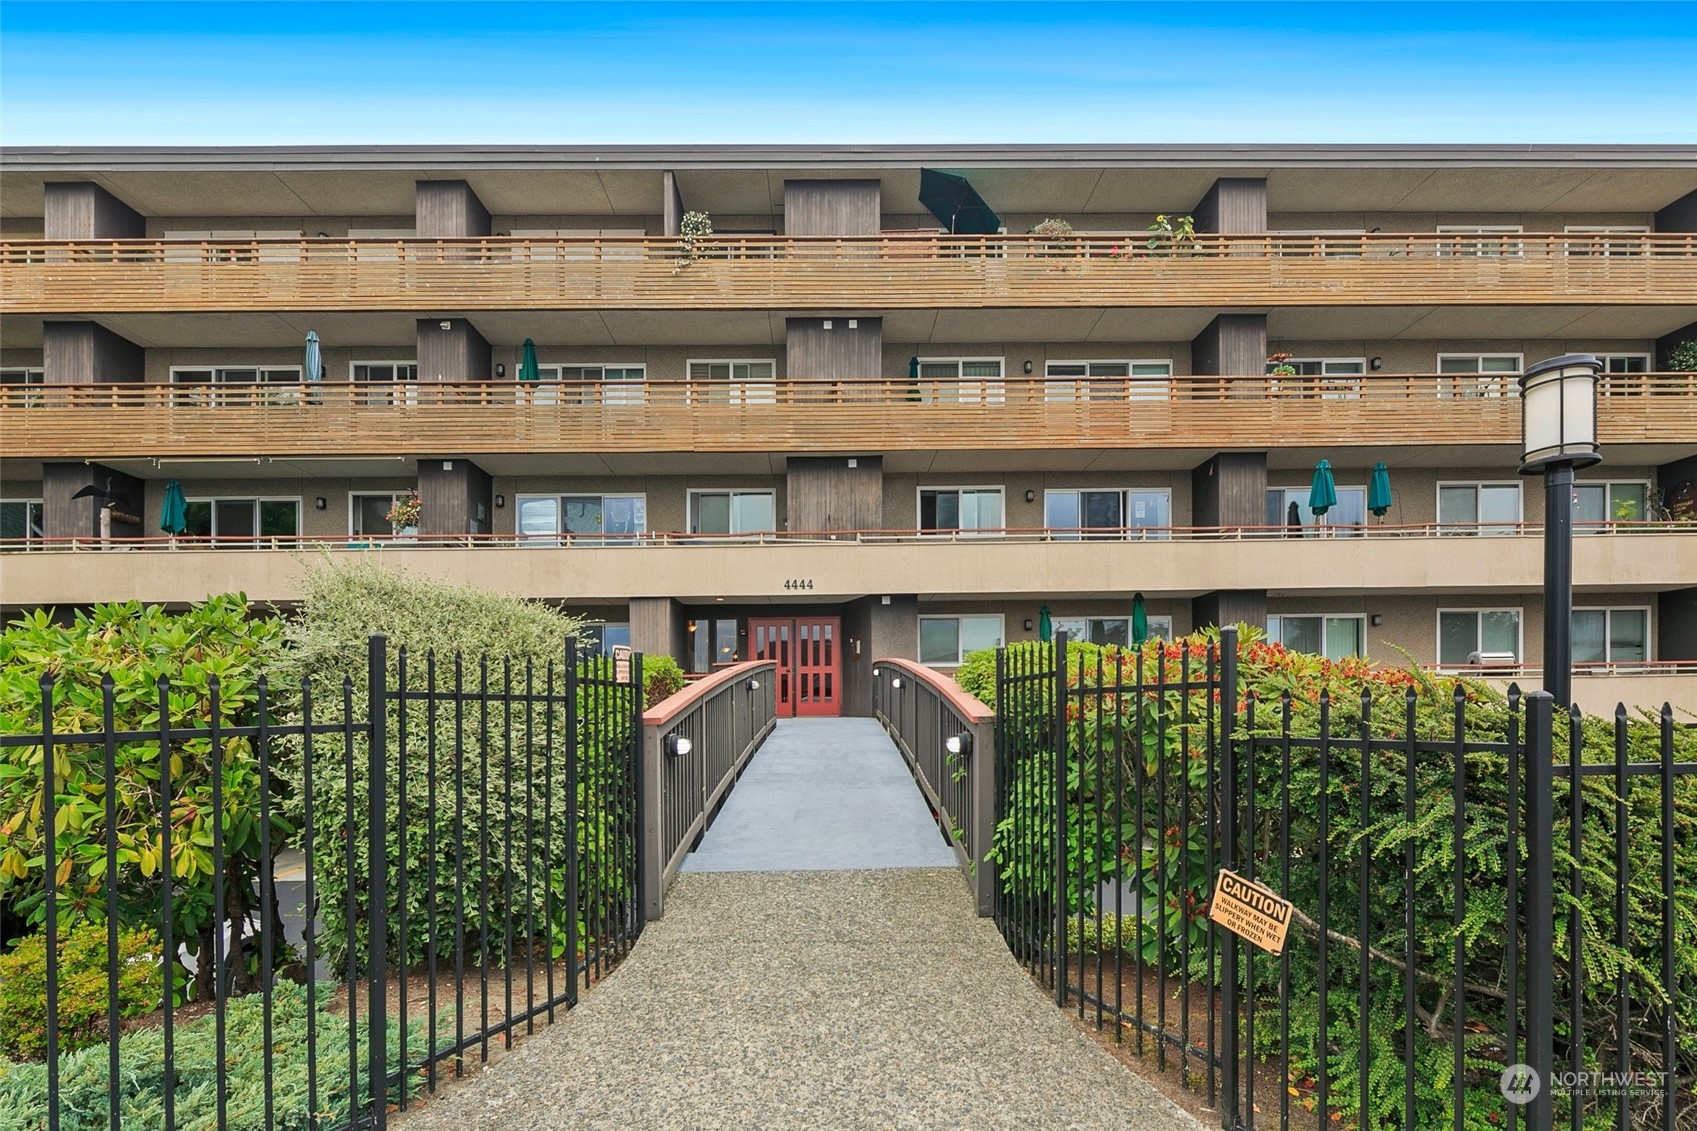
276 519
386 382
1070 381
733 382
22 376
1480 239
591 384
1341 377
966 380
367 511
1470 508
1611 636
1597 504
1110 513
949 640
618 519
1464 635
20 521
1287 508
732 512
714 643
235 384
1618 368
1111 630
601 639
1479 374
1334 637
1589 239
960 508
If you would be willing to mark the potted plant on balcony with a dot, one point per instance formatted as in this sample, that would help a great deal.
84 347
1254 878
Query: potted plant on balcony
1169 234
1061 231
404 514
694 228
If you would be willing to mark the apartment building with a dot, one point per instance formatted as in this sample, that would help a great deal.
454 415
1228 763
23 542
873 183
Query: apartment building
851 423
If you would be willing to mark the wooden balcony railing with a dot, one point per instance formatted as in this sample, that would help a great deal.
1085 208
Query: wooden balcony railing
889 271
884 414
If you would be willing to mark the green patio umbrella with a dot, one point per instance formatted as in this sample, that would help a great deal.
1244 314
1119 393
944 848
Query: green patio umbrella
913 375
174 515
1139 619
1323 493
528 369
1045 624
955 203
1379 491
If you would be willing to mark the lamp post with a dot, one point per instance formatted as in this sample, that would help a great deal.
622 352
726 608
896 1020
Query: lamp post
1558 428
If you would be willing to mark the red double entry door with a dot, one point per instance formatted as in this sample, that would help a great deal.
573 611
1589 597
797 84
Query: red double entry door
808 652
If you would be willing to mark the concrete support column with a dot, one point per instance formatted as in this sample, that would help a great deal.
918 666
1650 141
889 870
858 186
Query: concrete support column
82 353
82 210
451 349
454 497
65 517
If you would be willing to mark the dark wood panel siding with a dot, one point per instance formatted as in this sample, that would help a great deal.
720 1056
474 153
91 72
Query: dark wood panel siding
814 353
75 353
1676 625
458 353
82 210
1233 345
445 209
828 494
671 203
832 208
454 497
1230 490
657 627
65 517
1229 606
1233 206
1680 216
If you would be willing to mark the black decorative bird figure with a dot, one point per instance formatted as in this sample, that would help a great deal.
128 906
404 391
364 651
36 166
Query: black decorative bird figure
108 499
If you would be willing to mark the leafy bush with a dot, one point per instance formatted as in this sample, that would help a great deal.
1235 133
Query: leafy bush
1154 833
83 987
136 646
470 776
84 1086
661 676
1682 358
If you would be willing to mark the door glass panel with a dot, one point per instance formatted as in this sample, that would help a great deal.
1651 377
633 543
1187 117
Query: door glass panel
1626 502
1343 637
1458 505
1458 637
701 647
1499 631
369 512
1102 509
712 514
627 515
583 514
234 518
1300 634
1590 505
1111 630
939 640
751 512
1629 635
1150 509
279 518
1060 513
981 510
978 633
725 641
1076 628
539 519
197 520
1590 636
1499 503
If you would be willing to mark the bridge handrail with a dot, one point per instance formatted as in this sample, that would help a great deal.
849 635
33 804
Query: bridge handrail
922 709
724 718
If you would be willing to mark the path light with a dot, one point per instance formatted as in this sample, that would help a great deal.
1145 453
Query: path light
678 746
960 745
896 683
754 685
1558 427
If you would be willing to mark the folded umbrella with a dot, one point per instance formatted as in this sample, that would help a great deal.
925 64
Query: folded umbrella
1323 492
1139 620
174 514
1379 491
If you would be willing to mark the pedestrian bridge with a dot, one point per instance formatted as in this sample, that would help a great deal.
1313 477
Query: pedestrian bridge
813 956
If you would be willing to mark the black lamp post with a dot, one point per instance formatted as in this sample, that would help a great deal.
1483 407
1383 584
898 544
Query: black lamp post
1558 428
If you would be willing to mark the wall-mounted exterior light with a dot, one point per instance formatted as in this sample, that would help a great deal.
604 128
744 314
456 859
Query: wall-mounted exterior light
960 745
678 746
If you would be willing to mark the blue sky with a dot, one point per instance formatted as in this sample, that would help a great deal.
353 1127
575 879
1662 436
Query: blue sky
443 73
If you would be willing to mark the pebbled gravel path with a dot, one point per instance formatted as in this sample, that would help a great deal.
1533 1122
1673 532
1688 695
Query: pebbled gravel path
822 999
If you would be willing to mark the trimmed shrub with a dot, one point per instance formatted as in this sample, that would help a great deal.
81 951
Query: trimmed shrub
83 987
661 676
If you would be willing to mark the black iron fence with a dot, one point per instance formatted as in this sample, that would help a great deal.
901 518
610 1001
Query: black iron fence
310 910
1482 892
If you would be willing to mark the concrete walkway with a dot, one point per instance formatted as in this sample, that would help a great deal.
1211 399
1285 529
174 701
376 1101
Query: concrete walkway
782 991
823 794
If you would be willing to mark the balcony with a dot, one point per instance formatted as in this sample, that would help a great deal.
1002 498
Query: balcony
1388 561
114 421
889 272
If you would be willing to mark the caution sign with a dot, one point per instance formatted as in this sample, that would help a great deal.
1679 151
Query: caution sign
621 663
1251 911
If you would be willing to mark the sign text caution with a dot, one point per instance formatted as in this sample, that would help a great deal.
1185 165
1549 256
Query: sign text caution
1251 911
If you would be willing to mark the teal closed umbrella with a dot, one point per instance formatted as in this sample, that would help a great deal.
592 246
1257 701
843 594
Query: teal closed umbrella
1323 492
528 369
1379 491
1045 624
174 515
1139 620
